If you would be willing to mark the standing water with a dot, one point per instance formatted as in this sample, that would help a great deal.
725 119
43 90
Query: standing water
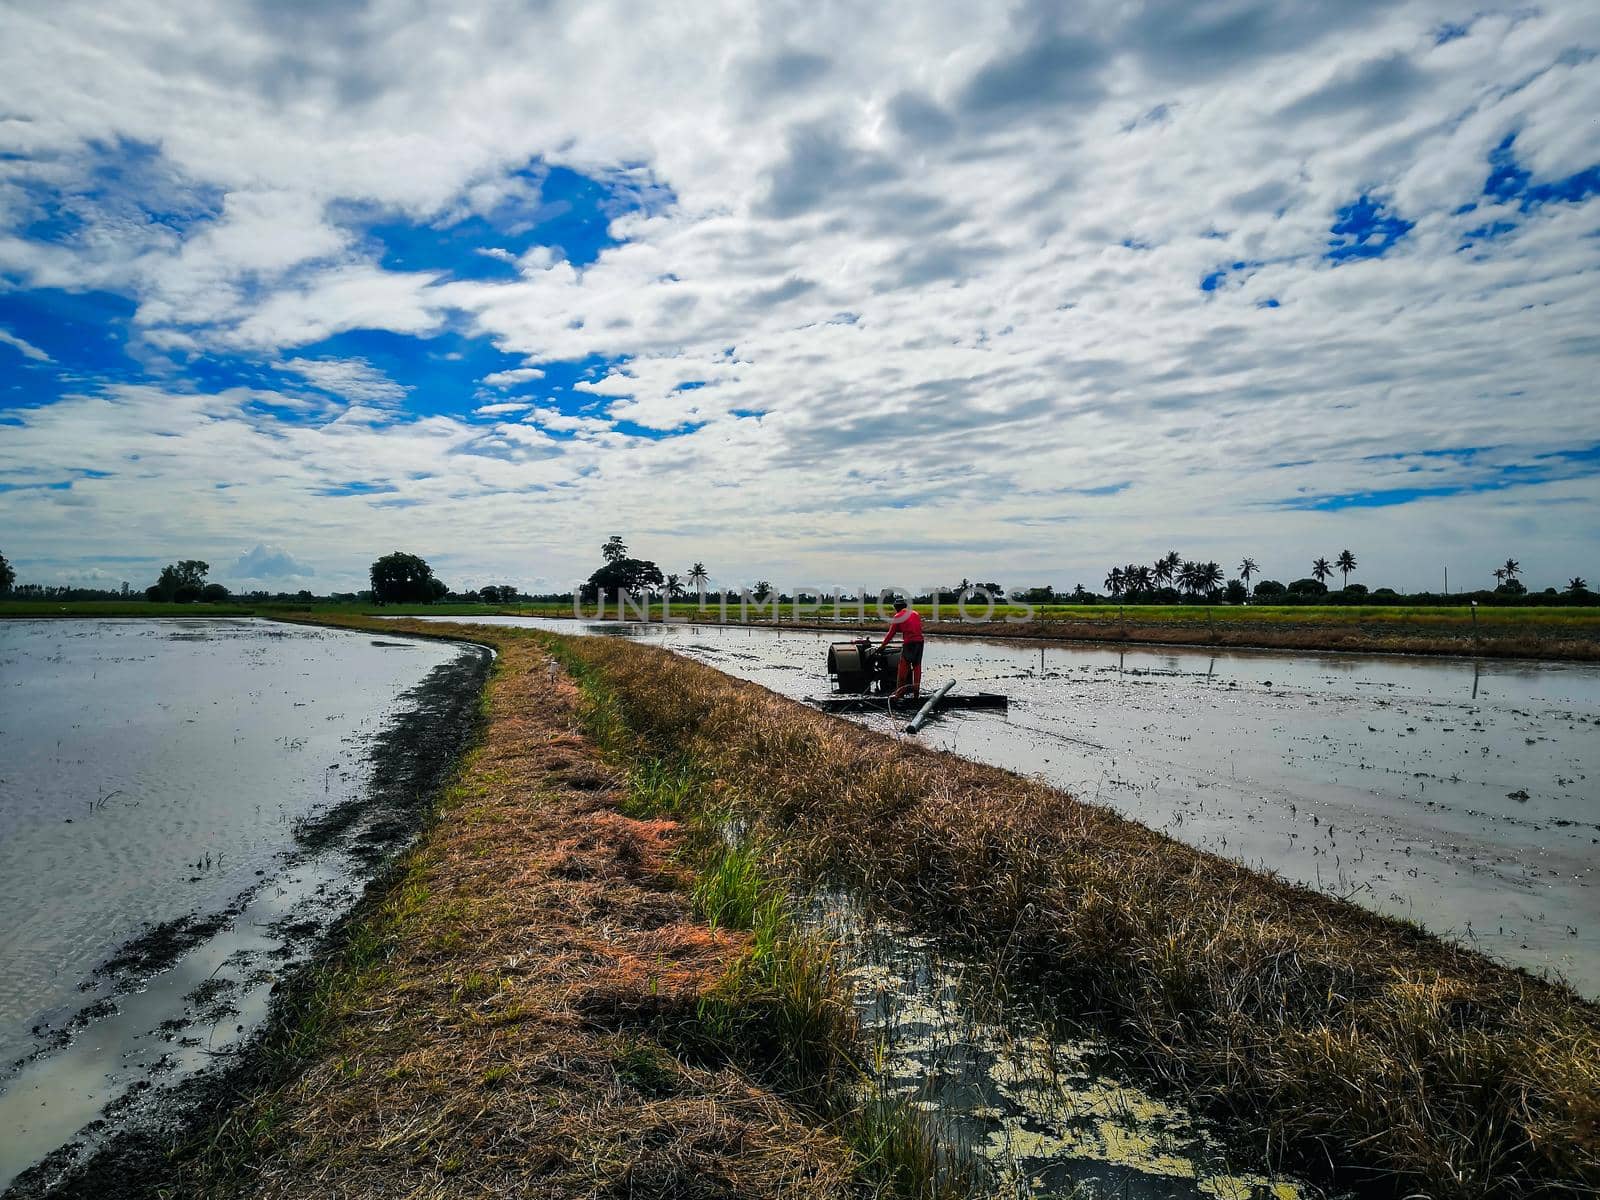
1461 795
184 806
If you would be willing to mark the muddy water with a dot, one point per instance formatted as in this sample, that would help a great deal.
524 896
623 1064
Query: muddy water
179 809
1464 796
1041 1106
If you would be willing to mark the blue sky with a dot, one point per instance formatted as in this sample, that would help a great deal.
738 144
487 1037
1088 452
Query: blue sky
1010 295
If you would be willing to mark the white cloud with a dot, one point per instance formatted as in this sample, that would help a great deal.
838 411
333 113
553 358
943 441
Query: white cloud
951 256
27 349
353 379
512 377
270 562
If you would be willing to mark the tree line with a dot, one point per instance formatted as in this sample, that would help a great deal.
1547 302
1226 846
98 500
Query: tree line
404 578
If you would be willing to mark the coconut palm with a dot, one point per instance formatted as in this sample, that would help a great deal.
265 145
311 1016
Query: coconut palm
1512 569
1346 562
674 588
1321 570
1136 577
1577 584
1248 568
1166 568
1209 577
1188 577
1115 581
698 577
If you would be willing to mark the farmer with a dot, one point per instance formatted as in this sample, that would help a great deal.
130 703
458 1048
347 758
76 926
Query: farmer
908 625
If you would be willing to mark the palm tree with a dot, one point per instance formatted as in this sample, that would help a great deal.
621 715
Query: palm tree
1577 584
698 577
1136 578
1248 568
1499 574
1346 562
1512 569
1188 576
1166 568
674 587
1209 577
1115 581
1321 570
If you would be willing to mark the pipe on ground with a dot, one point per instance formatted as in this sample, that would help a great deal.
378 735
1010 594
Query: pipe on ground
926 711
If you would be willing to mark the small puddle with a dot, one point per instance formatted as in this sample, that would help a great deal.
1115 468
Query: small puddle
1040 1106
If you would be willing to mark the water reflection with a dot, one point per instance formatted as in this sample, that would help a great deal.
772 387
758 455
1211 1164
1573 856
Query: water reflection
1461 794
1040 1104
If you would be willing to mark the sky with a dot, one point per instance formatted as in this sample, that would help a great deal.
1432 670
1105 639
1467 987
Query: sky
817 293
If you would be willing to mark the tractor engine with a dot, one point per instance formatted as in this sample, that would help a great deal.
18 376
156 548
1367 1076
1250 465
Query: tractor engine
858 668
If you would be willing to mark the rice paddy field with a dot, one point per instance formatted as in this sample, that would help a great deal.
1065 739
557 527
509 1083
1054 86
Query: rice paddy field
671 932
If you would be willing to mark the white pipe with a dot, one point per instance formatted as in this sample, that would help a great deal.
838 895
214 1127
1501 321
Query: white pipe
921 719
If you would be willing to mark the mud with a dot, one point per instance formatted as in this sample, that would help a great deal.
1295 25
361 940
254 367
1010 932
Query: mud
121 1079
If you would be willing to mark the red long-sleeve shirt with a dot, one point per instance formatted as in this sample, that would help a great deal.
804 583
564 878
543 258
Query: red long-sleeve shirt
907 624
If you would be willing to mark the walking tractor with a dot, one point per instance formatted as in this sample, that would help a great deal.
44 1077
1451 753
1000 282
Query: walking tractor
863 679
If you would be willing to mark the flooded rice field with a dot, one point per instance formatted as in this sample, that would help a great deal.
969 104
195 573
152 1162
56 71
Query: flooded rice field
185 805
1462 795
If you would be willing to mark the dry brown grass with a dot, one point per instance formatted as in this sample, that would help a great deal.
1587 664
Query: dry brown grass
1338 1034
498 1040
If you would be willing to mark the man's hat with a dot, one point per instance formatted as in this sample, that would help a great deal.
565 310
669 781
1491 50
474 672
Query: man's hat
899 604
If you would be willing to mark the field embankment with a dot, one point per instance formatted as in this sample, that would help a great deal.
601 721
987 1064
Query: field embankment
534 1003
1320 1030
1554 634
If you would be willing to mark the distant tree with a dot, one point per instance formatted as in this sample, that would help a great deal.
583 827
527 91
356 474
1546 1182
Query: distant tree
1269 587
762 589
698 577
213 593
1115 581
1346 562
401 578
1209 576
615 549
1188 577
1308 587
1246 569
1499 575
1321 571
1577 585
1512 587
498 593
7 576
1512 569
1237 593
637 577
1165 572
180 582
674 587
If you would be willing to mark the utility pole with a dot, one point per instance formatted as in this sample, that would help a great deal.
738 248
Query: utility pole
1447 581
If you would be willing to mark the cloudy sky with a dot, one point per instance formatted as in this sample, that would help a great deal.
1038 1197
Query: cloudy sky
815 292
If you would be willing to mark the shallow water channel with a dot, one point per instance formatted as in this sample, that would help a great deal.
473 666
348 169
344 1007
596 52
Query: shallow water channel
185 805
1462 795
